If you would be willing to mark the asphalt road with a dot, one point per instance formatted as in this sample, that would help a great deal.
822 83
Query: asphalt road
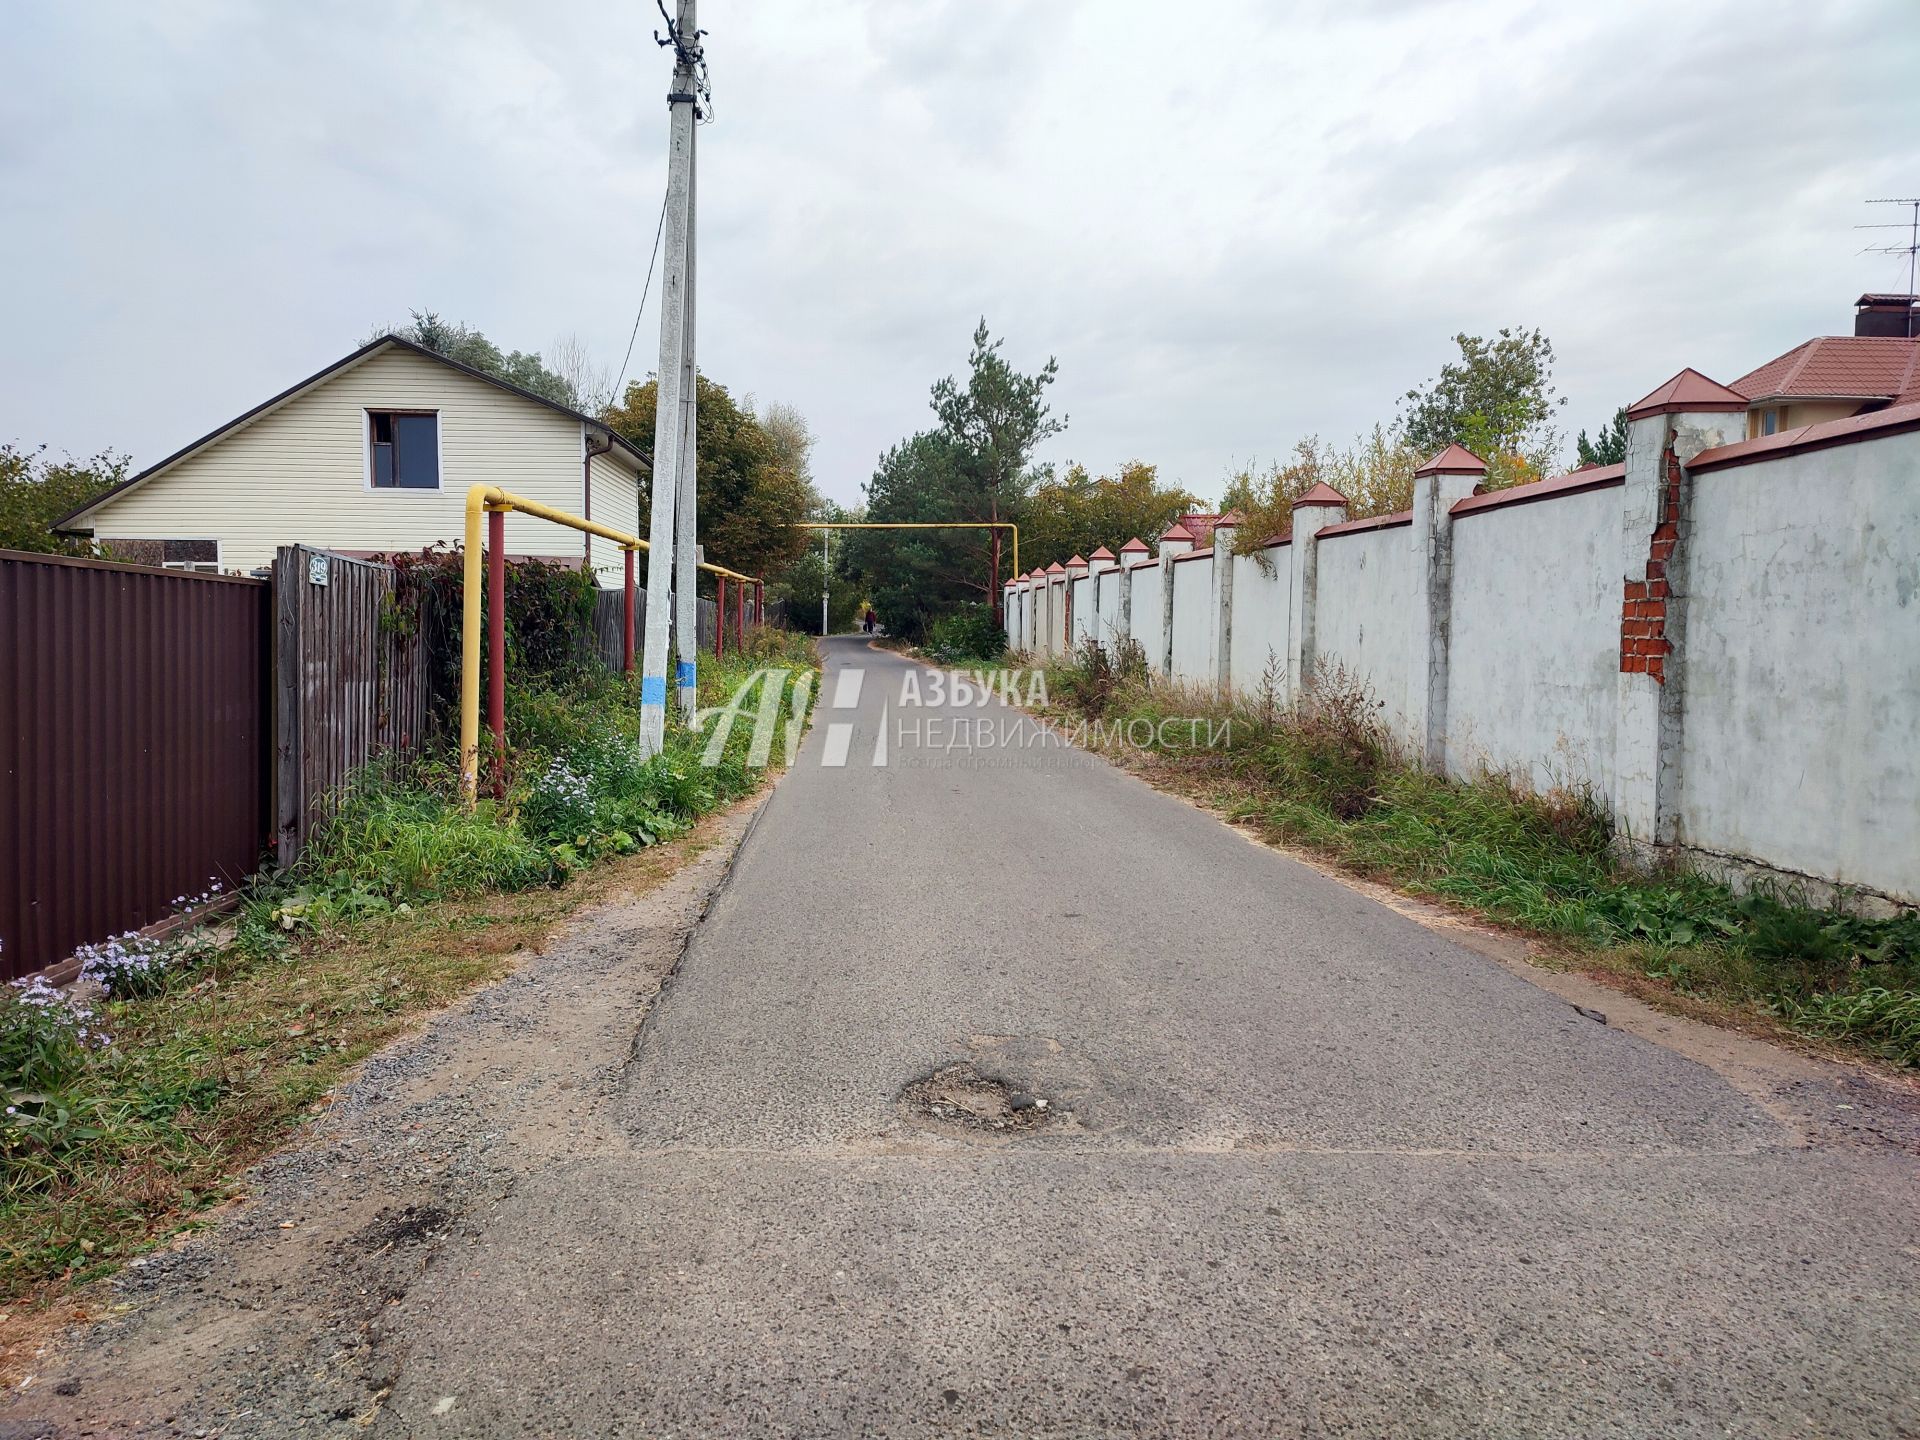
1308 1166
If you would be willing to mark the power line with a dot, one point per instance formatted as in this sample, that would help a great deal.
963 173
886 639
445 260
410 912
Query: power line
651 261
691 56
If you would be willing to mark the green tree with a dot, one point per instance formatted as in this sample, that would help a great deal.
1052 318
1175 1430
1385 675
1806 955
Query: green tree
1375 473
976 465
914 576
1610 448
474 350
1077 513
35 492
799 586
1498 400
750 497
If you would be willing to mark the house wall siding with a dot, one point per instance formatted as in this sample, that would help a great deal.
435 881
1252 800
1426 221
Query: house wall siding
299 474
616 502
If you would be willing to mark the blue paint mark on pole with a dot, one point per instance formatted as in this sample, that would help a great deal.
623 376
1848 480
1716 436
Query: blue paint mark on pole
685 674
653 690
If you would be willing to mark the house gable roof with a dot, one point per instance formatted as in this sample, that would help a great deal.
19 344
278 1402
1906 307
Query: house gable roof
1839 367
319 377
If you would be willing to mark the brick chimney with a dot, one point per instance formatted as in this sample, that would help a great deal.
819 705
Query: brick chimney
1896 316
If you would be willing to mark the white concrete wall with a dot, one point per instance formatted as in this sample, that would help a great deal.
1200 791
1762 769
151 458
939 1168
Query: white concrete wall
1261 597
1144 621
299 473
1788 734
1535 648
1193 621
1083 616
1106 606
1801 665
1057 615
1365 600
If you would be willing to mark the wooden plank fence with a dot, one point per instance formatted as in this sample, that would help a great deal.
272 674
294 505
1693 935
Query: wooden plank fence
609 606
353 680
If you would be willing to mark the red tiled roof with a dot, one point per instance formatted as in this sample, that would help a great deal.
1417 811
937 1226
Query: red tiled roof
1454 460
1839 367
1810 437
1199 524
1321 494
1689 390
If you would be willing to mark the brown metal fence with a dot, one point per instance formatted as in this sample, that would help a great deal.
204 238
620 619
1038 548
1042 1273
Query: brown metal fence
161 729
353 679
133 754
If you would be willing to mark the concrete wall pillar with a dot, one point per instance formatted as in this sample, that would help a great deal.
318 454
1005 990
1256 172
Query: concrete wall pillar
1688 414
1177 541
1055 643
1223 538
1438 485
1314 511
1102 566
1131 554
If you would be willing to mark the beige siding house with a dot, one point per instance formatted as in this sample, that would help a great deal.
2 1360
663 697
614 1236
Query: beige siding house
374 454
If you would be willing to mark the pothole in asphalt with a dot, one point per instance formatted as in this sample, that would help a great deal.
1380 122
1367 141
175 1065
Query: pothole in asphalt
958 1097
411 1225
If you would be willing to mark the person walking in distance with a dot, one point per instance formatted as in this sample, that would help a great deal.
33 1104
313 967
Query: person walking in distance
868 624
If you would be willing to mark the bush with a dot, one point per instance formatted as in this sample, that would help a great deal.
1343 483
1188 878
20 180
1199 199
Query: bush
969 633
1101 674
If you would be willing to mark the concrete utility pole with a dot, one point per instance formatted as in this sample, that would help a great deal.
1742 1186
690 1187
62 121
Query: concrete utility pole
669 411
826 581
686 598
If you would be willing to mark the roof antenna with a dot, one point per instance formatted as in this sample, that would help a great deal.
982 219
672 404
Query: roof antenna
1911 249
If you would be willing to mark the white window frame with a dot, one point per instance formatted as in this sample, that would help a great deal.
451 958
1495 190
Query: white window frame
367 412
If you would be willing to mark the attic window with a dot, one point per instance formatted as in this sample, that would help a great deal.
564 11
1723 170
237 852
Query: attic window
403 449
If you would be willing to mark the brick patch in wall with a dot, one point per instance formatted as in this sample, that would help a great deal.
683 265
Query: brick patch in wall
1644 646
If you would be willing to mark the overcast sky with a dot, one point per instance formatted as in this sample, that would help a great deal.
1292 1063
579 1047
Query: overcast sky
1230 237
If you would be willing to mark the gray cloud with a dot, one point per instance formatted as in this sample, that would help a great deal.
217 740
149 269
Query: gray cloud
1231 233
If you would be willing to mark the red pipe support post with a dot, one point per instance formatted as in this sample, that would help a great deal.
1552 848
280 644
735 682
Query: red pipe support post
626 621
719 615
